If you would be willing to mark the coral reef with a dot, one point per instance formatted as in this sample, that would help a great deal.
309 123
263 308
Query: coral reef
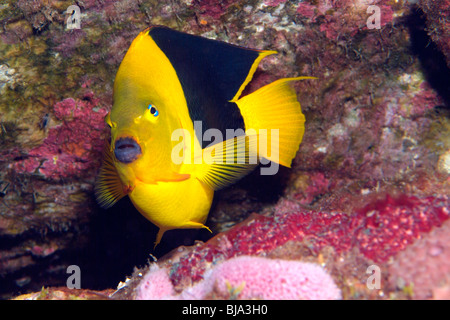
424 267
369 185
69 148
437 13
247 277
378 231
155 285
63 293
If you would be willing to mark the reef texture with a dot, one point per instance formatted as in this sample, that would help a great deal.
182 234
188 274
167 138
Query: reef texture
424 268
369 185
438 23
346 246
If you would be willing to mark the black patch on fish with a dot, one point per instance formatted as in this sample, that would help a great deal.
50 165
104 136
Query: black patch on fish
211 73
127 150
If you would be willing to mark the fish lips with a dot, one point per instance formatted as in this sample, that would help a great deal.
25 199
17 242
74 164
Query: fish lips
127 150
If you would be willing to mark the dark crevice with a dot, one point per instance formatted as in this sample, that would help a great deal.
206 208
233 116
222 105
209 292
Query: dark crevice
432 60
107 249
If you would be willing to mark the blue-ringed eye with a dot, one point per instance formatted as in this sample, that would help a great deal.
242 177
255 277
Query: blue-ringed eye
153 110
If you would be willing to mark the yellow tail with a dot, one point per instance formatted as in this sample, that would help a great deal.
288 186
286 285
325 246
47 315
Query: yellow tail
271 109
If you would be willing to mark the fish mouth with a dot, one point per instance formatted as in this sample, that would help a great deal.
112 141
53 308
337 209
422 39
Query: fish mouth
127 150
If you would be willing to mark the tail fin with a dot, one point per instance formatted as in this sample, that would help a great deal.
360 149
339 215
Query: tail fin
275 106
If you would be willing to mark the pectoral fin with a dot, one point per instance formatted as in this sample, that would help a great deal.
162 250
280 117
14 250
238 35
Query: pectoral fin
226 162
108 188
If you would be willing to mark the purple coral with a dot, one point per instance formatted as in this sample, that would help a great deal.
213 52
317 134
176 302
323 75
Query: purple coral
248 277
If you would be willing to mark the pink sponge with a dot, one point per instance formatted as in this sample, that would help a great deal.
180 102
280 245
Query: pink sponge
155 285
248 277
261 278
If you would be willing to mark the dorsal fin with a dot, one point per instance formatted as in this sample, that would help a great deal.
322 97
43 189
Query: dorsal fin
212 73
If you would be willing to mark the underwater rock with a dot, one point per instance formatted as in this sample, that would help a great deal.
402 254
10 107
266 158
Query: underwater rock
423 268
70 149
7 77
378 231
437 13
374 127
345 245
63 293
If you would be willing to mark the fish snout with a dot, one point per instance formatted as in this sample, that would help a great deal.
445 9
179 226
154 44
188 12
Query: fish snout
127 150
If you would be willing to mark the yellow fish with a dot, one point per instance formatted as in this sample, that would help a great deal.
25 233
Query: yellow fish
177 126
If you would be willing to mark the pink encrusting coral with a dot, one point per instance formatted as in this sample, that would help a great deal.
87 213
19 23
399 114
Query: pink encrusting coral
214 9
247 277
344 19
387 227
273 3
424 266
379 231
70 147
155 285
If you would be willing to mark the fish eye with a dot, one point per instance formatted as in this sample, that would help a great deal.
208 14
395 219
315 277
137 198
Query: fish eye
153 110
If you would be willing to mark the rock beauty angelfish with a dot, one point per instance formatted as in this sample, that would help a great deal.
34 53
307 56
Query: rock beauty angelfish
170 89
